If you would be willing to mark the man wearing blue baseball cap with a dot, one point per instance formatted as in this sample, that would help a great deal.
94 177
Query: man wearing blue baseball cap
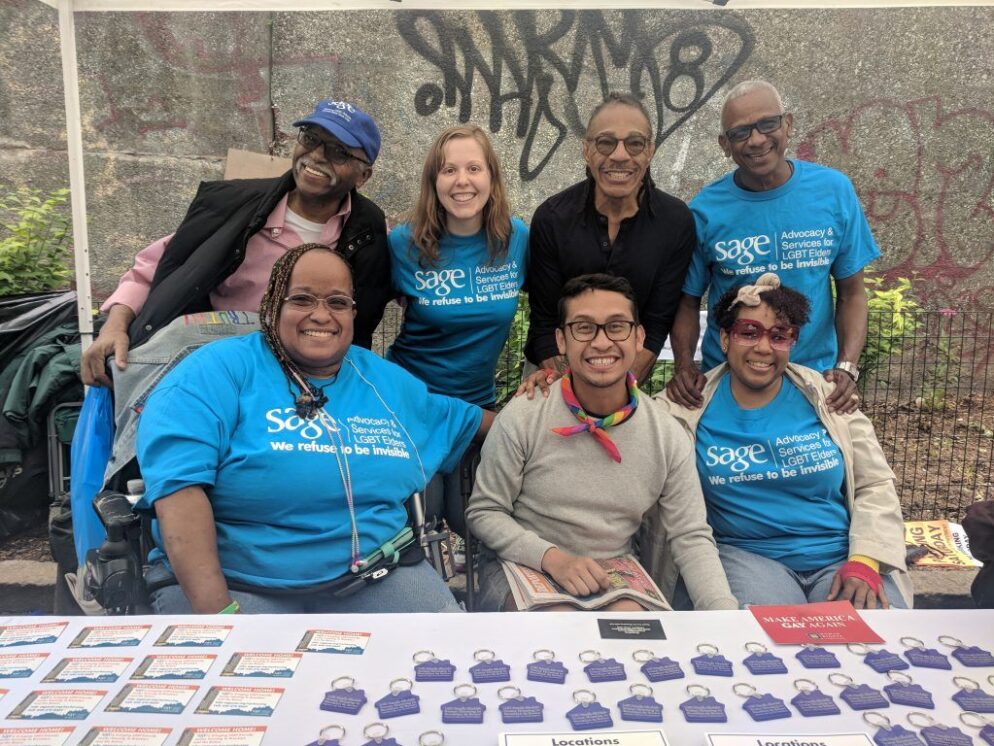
221 256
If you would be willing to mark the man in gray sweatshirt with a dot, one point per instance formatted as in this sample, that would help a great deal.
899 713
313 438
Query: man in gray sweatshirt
567 479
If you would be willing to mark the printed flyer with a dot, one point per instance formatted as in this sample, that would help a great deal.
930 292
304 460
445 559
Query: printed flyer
263 665
825 623
87 671
58 704
218 736
163 667
50 736
118 636
944 544
115 735
20 665
158 699
30 634
240 700
194 635
333 641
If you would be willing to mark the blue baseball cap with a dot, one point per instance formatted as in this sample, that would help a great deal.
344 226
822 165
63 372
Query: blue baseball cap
348 123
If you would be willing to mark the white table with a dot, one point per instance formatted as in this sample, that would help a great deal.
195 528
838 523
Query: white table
514 637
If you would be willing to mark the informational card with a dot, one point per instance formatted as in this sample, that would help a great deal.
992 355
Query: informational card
240 700
118 636
162 667
118 735
49 736
194 636
833 739
87 671
20 665
263 665
153 698
333 641
825 623
615 738
243 735
30 634
58 704
631 629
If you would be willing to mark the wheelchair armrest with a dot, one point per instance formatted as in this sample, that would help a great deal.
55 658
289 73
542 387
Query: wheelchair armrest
115 513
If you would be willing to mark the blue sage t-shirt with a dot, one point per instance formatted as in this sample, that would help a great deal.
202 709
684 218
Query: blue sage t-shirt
772 479
805 230
224 419
459 312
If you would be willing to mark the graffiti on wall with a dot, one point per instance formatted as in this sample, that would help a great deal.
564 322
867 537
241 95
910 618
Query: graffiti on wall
550 72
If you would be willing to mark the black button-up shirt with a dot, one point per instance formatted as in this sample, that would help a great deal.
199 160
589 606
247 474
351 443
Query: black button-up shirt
568 237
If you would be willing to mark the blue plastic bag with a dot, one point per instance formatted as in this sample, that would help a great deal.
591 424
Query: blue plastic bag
90 452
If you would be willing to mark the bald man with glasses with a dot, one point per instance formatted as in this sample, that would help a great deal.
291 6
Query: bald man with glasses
221 256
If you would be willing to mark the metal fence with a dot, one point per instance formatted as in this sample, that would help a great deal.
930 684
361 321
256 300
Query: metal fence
927 385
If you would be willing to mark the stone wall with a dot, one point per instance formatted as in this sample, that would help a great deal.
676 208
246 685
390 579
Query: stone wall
900 99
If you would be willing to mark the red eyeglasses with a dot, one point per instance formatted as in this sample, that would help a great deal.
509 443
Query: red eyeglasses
748 332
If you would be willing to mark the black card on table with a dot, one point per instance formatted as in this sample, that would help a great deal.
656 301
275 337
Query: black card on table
631 629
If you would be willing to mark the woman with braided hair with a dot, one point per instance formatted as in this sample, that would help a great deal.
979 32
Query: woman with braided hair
278 463
800 497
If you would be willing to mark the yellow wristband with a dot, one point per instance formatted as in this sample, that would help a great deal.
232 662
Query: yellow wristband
233 608
868 561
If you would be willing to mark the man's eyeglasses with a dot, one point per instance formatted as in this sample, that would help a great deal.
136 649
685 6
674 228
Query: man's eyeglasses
308 302
747 332
585 331
333 152
607 144
764 126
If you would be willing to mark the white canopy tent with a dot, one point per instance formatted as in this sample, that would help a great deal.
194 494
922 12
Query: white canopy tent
70 72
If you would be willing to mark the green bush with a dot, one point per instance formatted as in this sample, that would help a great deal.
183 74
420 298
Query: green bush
35 242
892 320
512 357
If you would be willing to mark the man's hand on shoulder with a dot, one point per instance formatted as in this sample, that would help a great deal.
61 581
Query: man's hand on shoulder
686 387
112 340
580 576
844 398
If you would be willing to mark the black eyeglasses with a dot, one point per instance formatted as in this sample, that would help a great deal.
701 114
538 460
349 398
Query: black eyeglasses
607 144
764 126
308 302
585 331
333 152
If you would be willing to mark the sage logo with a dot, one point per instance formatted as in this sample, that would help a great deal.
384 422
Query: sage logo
287 420
442 281
737 459
742 250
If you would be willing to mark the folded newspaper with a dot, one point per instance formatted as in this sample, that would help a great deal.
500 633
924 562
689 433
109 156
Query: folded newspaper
533 589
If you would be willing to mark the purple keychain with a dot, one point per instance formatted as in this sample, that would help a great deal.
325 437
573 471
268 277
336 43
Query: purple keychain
761 707
400 701
488 668
515 708
641 706
465 709
711 662
378 735
921 657
858 696
890 735
545 668
905 692
937 734
431 738
811 701
761 661
427 667
969 655
702 707
330 735
984 724
344 697
600 669
880 661
971 697
657 669
814 656
588 714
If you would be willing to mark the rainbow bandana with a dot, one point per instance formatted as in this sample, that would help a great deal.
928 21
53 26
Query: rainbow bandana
597 426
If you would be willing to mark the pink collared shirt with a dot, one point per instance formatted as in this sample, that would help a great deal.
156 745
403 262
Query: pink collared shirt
243 290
